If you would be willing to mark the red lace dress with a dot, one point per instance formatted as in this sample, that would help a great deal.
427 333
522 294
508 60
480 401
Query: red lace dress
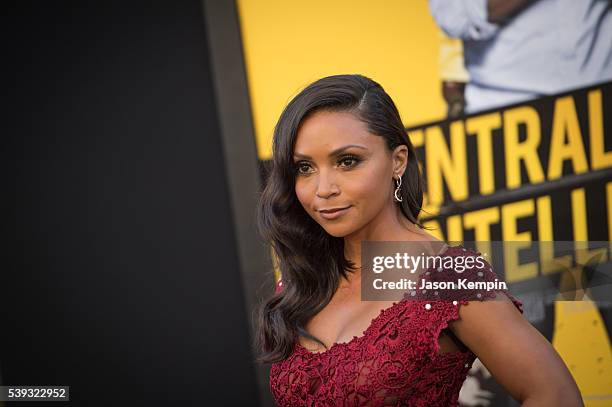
395 362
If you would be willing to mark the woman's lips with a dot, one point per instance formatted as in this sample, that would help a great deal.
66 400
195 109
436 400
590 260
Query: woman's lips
334 214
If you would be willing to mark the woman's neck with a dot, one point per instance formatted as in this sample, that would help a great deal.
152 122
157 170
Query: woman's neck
390 225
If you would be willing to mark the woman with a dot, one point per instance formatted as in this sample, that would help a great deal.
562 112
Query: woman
344 171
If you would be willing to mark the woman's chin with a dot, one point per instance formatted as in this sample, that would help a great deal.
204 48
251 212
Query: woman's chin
337 231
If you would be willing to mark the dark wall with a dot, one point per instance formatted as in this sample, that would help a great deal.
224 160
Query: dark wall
119 271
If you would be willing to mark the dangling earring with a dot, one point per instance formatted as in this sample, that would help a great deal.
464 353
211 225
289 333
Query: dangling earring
398 182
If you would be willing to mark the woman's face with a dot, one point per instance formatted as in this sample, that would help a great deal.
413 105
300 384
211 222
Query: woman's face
339 164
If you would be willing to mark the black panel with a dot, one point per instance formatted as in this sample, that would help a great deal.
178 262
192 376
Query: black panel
119 271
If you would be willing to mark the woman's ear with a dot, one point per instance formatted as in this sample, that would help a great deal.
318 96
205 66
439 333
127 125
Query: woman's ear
400 159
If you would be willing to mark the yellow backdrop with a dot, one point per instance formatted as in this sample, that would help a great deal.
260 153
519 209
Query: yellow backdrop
288 44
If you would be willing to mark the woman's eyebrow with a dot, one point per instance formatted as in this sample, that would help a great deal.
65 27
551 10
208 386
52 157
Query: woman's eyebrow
333 153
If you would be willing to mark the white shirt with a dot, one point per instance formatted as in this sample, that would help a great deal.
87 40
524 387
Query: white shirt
550 46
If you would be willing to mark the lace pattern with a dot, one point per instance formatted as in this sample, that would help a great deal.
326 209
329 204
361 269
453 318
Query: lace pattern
395 362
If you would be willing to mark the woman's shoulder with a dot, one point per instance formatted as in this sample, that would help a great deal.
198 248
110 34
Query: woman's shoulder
465 274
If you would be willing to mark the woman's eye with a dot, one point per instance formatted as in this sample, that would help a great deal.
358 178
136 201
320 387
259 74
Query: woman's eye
302 168
350 161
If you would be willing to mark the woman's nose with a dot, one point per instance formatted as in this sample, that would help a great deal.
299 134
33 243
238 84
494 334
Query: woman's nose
326 186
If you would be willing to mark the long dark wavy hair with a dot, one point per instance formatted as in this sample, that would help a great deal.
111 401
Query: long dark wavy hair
310 260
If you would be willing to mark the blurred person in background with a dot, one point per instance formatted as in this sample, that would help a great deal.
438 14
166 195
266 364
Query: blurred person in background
516 50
